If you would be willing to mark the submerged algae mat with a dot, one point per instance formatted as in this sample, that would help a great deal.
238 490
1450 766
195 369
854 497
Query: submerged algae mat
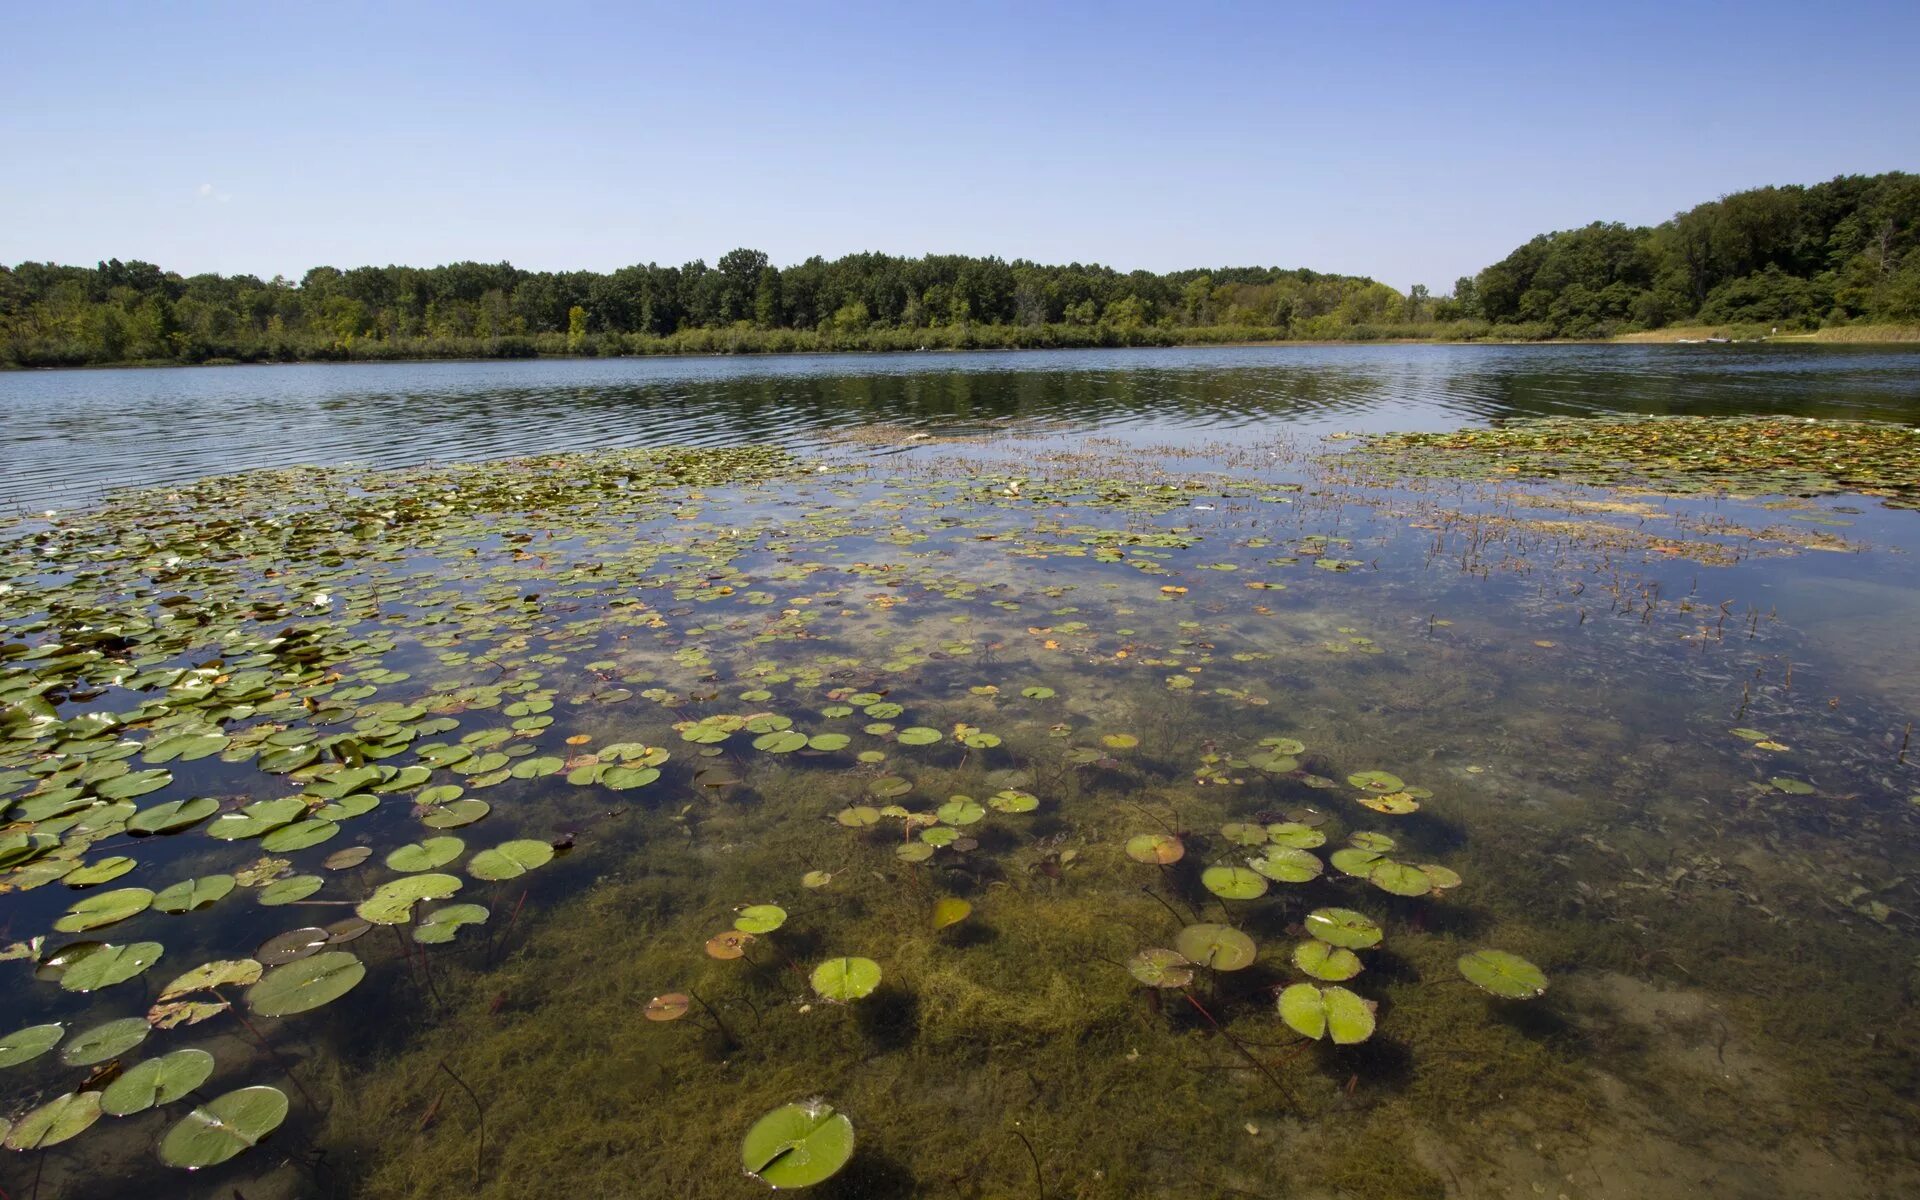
1172 828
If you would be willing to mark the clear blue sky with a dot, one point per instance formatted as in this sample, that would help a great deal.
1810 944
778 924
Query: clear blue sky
1410 142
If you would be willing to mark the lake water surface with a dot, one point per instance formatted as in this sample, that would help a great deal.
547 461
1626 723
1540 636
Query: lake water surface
1020 757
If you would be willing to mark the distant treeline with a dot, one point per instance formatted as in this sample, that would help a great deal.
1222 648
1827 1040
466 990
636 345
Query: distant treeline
1835 253
133 311
1800 257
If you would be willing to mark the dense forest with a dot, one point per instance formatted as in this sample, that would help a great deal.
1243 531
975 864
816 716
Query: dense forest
1839 252
1798 257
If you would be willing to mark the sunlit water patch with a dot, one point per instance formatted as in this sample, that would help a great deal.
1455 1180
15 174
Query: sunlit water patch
988 818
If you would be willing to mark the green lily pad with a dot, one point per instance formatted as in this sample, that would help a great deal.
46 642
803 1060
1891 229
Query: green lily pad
104 1041
1317 1012
797 1145
55 1121
306 984
25 1045
1285 864
444 922
784 741
846 979
961 810
109 964
172 816
454 814
510 860
760 918
96 912
223 1127
392 902
156 1081
1161 968
225 972
918 735
1503 974
1234 883
428 855
298 836
1157 849
1399 878
290 890
1244 833
190 894
1376 781
1343 927
101 871
1324 961
1218 947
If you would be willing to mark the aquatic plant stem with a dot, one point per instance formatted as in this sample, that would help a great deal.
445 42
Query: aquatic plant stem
271 1052
718 1023
480 1113
1244 1052
1039 1185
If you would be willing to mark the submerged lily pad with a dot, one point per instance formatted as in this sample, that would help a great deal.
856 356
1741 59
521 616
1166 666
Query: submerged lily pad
846 979
1503 974
1317 1012
1161 968
797 1145
1218 947
223 1127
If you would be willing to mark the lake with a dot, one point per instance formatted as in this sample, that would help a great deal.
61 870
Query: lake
1095 774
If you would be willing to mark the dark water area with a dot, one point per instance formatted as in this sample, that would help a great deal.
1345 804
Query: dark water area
1028 690
67 435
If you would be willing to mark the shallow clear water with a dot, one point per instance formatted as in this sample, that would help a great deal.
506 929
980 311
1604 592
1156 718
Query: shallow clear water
1658 739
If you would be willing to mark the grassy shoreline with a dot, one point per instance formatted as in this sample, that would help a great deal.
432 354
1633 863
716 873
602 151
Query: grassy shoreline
709 343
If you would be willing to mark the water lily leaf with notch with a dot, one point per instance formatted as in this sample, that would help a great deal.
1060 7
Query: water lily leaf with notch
623 778
1234 883
1317 1012
913 852
290 890
100 871
173 816
784 741
106 908
1441 878
510 860
1161 968
55 1121
358 804
223 1127
918 735
428 855
1393 804
1324 961
392 902
1377 781
104 1041
1399 878
1284 745
1219 947
1013 800
109 964
1244 833
760 918
858 816
257 819
828 742
189 894
846 978
1343 927
226 972
1379 843
298 836
1285 864
132 784
1274 764
25 1045
1155 849
307 984
1504 974
797 1145
961 810
950 910
444 922
1351 860
155 1082
455 814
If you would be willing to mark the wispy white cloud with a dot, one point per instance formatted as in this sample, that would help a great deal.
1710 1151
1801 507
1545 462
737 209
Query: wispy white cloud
207 191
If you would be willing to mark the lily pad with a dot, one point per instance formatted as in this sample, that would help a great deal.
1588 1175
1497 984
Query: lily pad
1318 1012
104 1041
760 918
509 860
190 894
1343 927
290 890
444 922
1218 947
1158 849
156 1081
1285 864
392 902
25 1045
1324 961
1234 883
797 1145
106 908
1503 974
55 1121
1161 968
223 1127
307 984
428 855
950 910
1376 781
226 972
109 965
172 816
846 979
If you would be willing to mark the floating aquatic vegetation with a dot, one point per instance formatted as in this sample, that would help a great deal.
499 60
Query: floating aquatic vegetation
1343 927
223 1127
797 1145
306 984
1216 947
760 918
25 1045
1158 849
57 1120
1161 968
845 979
156 1081
1503 974
1335 1012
